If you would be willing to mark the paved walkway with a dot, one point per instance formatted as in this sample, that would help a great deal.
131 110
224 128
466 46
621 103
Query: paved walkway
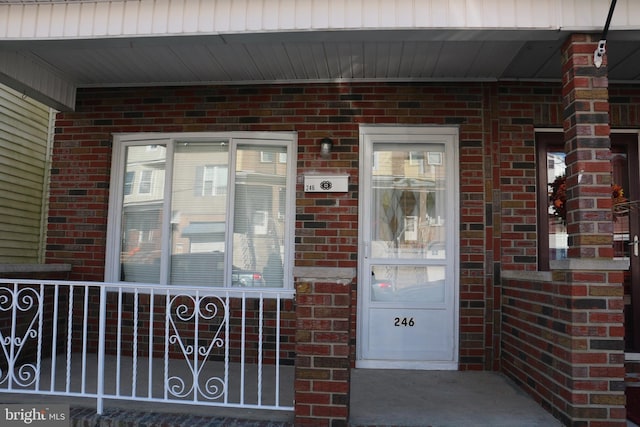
442 398
396 398
379 398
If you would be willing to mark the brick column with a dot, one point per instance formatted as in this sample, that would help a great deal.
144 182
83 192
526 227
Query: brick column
588 286
322 377
585 99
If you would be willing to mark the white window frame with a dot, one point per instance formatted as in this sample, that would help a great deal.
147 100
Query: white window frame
116 196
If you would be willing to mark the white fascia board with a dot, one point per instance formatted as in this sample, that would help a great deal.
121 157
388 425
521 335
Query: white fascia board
144 18
37 82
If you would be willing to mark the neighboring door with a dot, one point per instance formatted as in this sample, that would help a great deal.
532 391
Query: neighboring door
408 269
626 226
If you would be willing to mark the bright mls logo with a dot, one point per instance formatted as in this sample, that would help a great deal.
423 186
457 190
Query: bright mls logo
34 415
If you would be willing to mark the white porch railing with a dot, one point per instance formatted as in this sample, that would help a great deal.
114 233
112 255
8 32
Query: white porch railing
144 342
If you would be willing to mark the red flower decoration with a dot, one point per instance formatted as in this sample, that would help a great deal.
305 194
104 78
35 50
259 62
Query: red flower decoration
558 198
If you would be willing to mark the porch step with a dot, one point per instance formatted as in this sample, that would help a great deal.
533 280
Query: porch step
111 417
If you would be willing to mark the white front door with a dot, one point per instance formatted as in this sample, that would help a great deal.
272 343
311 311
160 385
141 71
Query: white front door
408 270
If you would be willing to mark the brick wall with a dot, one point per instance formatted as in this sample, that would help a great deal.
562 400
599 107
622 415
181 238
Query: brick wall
323 362
497 174
563 331
326 224
563 343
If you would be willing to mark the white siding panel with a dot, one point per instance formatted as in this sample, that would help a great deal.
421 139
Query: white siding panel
100 18
255 15
52 89
371 15
86 20
222 16
405 15
116 19
44 20
476 16
22 20
158 17
437 13
320 14
24 151
353 14
337 16
238 15
302 14
456 14
71 23
191 18
58 21
131 17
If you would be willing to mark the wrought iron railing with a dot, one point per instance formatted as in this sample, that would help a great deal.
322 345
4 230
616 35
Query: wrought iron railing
145 343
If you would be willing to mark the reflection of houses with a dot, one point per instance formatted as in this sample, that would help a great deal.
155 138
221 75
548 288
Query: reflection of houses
410 193
199 188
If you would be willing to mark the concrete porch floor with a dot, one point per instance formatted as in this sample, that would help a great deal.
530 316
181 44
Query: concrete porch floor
378 398
442 398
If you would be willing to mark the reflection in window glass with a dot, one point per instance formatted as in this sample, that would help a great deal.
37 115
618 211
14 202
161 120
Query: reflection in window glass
558 238
198 223
258 233
142 214
408 202
189 230
214 180
408 283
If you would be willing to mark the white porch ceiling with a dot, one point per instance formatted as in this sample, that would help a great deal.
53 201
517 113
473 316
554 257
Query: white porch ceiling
49 60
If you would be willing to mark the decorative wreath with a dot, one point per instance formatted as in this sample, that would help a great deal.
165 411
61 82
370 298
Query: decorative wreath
558 198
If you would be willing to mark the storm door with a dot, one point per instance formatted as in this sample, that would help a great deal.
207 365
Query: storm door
407 295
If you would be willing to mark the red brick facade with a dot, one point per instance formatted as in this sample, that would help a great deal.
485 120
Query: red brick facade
497 194
493 147
323 353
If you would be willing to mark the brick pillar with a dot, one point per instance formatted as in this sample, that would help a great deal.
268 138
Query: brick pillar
588 286
322 377
585 99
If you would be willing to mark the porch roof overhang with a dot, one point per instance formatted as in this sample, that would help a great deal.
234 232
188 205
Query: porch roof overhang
51 48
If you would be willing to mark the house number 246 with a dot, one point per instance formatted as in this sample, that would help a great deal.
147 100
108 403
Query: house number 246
403 321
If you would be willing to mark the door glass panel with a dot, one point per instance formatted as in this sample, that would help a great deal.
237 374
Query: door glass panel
408 283
408 210
620 174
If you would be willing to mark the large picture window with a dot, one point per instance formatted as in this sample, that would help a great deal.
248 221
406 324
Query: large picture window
202 210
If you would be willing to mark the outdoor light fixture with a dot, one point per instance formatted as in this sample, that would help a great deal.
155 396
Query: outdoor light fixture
602 44
326 144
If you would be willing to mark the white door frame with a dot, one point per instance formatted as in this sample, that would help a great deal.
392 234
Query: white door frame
450 134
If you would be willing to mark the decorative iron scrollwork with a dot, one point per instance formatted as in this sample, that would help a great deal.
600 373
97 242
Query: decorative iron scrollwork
195 309
21 303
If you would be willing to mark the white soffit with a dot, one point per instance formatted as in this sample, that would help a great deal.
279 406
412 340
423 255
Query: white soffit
47 19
